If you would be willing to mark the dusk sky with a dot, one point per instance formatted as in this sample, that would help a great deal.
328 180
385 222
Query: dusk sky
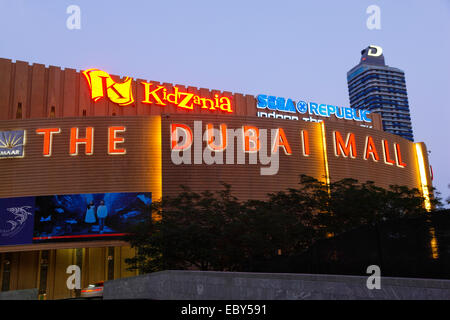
296 49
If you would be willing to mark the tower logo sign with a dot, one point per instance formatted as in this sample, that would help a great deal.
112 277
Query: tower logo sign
374 51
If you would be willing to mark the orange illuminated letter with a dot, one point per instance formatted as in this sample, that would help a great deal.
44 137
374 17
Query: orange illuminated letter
251 136
370 149
305 142
88 141
398 156
387 156
281 141
187 141
347 148
48 139
112 140
210 137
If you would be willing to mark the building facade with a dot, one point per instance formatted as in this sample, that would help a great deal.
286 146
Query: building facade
73 141
374 86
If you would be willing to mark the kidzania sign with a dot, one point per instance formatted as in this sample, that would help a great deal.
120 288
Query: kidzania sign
102 85
278 104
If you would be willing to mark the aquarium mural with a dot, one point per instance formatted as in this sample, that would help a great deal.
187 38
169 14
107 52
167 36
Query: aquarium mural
84 216
16 220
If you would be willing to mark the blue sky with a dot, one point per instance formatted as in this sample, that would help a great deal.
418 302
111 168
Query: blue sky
297 49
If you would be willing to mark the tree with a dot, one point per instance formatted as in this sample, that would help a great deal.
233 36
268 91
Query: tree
216 231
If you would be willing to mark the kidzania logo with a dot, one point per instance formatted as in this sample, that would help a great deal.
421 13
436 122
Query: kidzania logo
280 104
102 84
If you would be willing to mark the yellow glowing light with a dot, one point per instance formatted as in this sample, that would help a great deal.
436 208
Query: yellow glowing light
155 167
423 176
325 156
434 244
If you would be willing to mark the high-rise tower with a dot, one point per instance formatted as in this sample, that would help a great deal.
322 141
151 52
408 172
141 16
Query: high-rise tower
374 86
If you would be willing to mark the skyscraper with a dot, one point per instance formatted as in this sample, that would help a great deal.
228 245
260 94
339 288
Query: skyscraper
374 86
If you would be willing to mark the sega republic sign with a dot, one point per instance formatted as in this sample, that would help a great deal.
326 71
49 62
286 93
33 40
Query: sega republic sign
278 104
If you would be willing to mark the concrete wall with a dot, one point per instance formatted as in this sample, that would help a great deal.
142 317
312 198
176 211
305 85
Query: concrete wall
27 294
198 285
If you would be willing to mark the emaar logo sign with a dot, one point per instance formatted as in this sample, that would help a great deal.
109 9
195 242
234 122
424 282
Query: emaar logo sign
280 104
11 144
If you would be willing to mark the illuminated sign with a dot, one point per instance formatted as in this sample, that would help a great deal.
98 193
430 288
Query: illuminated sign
210 144
293 110
423 176
87 141
11 144
101 84
160 96
374 51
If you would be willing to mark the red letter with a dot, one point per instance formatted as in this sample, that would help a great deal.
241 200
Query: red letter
398 156
48 139
387 156
253 138
349 148
281 141
74 141
305 142
174 136
370 149
210 136
112 140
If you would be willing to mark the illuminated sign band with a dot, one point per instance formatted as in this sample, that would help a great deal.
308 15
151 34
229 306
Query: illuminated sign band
253 140
101 84
281 104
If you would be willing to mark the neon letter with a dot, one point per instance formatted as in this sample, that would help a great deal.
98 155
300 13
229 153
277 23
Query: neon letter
281 141
305 142
88 141
349 148
252 138
147 94
398 156
112 140
370 149
210 137
48 139
387 157
187 141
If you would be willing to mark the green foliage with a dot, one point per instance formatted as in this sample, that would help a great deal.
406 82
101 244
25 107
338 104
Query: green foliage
216 231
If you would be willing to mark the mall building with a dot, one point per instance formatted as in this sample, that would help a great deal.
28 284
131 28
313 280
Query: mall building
83 154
